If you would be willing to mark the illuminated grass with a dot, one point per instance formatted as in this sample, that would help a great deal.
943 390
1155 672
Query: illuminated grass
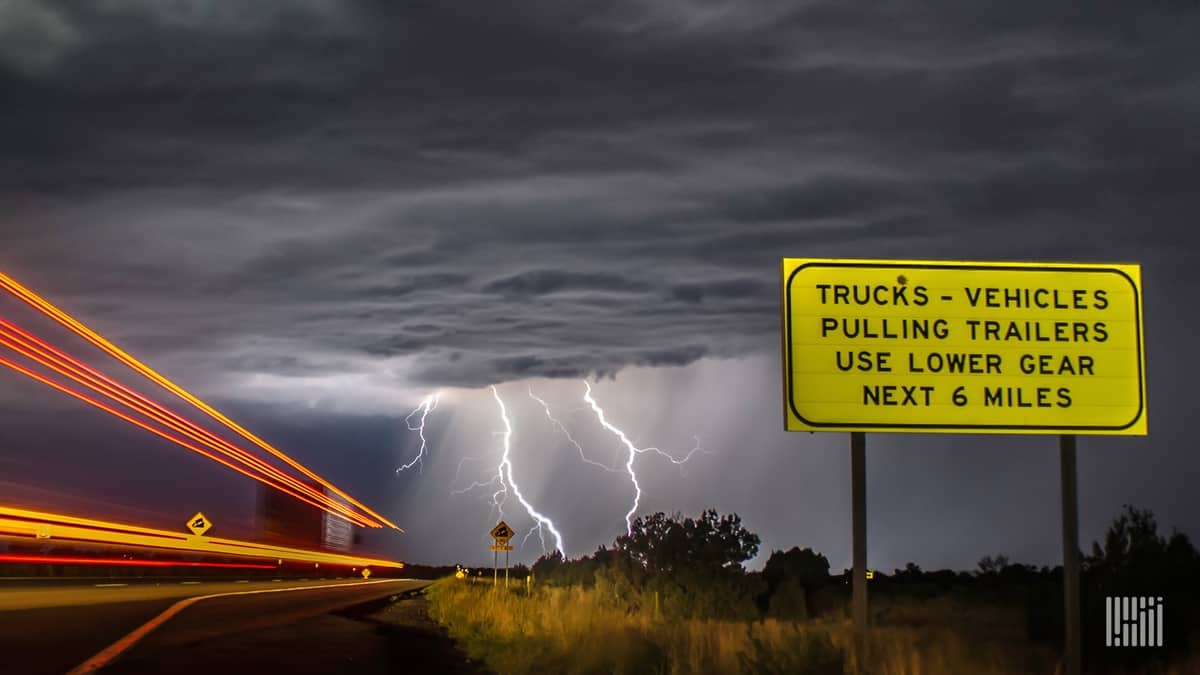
575 631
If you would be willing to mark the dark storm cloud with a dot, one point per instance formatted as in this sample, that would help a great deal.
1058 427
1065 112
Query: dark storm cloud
303 200
435 164
541 282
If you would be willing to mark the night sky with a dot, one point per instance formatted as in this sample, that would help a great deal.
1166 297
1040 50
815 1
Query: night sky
315 213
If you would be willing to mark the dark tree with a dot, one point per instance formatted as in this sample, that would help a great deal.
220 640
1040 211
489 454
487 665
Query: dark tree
664 544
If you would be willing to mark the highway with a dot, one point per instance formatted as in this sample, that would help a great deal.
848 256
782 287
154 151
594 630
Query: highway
53 629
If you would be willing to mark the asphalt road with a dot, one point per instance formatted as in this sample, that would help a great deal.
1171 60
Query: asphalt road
50 630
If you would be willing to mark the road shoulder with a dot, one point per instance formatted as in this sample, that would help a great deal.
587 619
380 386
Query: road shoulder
389 635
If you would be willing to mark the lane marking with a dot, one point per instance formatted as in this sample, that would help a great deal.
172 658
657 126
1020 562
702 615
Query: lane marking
109 585
243 581
111 652
188 583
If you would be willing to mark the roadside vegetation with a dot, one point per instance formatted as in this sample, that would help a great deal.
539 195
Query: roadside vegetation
673 597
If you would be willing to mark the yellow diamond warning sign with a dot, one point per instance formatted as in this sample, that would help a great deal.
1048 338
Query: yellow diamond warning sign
502 532
199 524
929 346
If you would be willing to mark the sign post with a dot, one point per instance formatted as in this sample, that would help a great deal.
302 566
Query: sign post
858 508
501 533
1072 647
963 347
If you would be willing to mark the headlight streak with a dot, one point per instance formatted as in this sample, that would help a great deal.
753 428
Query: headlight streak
158 432
24 522
38 350
43 306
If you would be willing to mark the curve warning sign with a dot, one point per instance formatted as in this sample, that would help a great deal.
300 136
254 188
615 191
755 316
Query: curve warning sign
962 347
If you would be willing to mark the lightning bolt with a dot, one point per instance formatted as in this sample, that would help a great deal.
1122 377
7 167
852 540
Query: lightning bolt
633 452
505 473
428 404
570 438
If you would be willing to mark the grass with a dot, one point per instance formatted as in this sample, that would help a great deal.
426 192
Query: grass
576 632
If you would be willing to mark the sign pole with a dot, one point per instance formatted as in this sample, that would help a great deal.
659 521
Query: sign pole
495 566
506 568
1072 653
858 498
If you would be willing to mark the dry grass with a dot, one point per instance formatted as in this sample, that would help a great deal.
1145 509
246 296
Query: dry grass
570 630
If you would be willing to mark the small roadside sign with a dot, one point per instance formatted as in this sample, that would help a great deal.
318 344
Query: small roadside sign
366 573
199 524
502 532
502 547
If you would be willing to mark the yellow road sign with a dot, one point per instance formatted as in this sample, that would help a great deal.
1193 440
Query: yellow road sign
502 532
934 346
366 573
501 547
199 524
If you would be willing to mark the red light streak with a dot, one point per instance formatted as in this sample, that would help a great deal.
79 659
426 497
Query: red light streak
91 336
136 562
58 527
27 344
86 399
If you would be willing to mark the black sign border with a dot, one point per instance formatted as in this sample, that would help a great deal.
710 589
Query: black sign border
789 370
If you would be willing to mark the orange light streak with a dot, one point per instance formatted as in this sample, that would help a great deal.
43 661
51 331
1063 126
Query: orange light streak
136 562
157 412
91 336
158 432
29 523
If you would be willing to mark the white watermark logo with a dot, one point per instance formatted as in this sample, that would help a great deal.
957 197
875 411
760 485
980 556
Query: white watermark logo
1133 621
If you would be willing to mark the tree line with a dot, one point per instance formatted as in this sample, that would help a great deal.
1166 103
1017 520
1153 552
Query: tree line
694 567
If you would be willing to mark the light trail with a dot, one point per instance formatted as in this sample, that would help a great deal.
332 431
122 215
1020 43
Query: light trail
128 562
633 452
60 527
570 438
158 432
43 306
428 404
506 472
31 347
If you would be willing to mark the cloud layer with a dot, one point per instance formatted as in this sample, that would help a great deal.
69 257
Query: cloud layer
336 207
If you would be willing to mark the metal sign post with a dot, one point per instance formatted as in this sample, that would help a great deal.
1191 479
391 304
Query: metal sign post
922 346
1072 652
501 533
858 505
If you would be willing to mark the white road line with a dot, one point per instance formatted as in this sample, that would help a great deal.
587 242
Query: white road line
111 652
110 585
188 583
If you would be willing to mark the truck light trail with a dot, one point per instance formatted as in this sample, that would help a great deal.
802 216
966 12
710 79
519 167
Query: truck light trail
158 432
38 350
35 301
128 562
24 522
